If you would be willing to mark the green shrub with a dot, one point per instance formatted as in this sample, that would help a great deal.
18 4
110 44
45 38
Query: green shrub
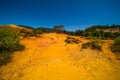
95 44
71 40
9 42
85 45
116 46
28 34
32 33
9 39
5 57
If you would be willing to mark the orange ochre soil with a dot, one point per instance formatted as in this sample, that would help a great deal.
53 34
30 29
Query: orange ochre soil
48 57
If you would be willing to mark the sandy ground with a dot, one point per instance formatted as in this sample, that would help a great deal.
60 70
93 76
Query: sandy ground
48 57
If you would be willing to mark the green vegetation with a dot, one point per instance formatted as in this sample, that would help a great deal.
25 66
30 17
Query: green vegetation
97 31
28 27
39 29
86 45
58 28
9 42
5 57
93 44
71 40
10 38
32 33
45 30
116 45
103 31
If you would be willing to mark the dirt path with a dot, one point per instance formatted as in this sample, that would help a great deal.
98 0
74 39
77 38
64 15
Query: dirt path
49 58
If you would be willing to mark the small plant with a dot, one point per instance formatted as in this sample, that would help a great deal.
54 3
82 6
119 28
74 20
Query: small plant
32 33
85 45
95 44
71 40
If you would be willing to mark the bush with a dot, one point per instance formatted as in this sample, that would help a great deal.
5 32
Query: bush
5 57
85 45
95 44
32 33
28 34
71 40
9 42
116 46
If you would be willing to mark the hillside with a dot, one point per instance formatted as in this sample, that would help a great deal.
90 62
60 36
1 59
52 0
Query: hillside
48 57
16 27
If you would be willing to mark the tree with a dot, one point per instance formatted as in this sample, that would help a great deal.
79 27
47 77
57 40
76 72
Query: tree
78 33
58 28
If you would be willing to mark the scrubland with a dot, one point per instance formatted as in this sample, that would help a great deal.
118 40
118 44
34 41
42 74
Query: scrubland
50 57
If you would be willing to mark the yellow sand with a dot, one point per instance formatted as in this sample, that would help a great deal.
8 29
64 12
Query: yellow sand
49 58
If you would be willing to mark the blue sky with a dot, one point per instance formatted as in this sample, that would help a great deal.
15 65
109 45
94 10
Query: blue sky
73 14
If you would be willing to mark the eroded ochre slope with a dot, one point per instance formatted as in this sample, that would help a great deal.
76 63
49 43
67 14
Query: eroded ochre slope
48 57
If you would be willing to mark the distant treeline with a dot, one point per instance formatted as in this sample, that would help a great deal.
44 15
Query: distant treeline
101 31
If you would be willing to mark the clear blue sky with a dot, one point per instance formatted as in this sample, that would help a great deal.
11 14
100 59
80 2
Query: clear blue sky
73 14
